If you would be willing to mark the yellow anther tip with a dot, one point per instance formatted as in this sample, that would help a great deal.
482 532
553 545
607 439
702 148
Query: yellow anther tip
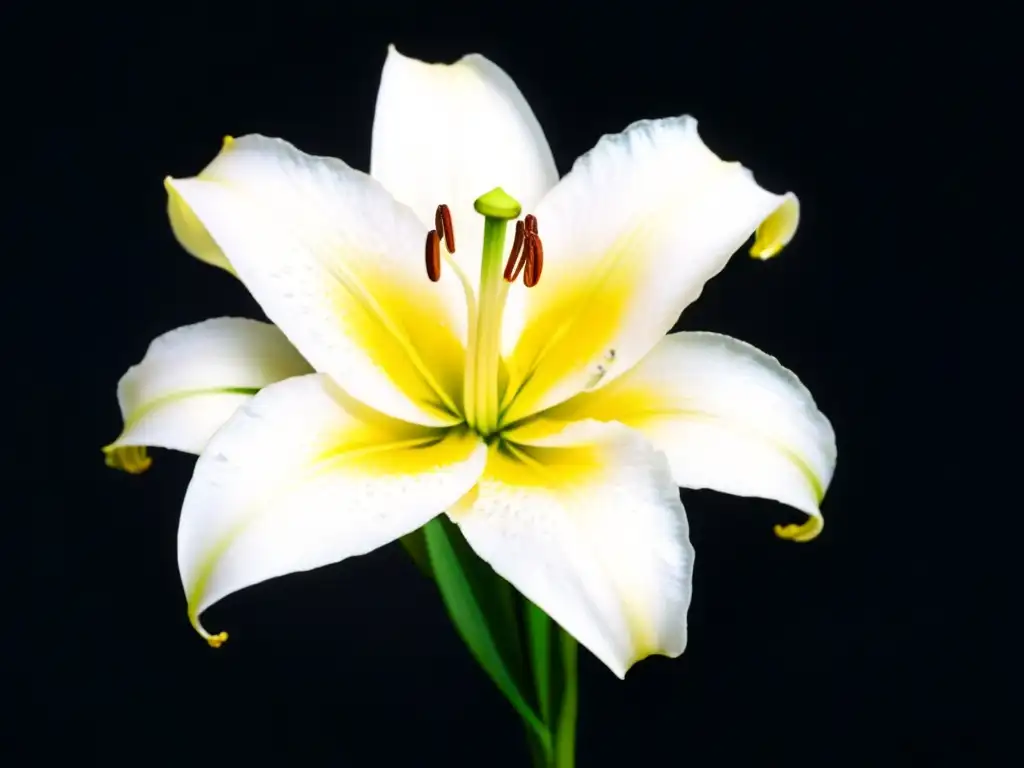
805 532
216 641
228 141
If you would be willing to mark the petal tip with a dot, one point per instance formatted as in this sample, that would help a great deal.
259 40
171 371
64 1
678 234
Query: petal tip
214 641
774 233
132 459
396 58
807 531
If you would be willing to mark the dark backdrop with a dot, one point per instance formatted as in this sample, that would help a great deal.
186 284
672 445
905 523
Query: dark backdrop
839 650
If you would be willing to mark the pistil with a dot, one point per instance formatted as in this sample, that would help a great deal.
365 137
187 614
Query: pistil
484 355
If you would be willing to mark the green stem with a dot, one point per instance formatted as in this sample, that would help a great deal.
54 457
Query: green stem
482 610
538 626
553 660
565 728
539 758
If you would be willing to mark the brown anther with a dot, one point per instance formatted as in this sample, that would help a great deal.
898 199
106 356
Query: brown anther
515 263
443 224
527 253
534 258
433 255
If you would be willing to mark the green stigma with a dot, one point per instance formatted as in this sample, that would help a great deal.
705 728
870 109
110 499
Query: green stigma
498 204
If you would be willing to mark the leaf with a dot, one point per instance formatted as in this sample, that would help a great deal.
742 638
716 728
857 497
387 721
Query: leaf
482 607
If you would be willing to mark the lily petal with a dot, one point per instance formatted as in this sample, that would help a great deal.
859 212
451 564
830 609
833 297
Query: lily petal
303 476
729 417
337 264
586 521
191 380
630 236
448 133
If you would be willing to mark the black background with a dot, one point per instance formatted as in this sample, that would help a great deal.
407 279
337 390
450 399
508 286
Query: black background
842 650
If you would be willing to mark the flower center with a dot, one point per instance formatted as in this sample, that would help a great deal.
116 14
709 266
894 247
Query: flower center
485 375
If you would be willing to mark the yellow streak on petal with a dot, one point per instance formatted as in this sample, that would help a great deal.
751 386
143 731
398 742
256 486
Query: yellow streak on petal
576 327
554 470
401 334
463 506
777 230
132 459
808 531
400 457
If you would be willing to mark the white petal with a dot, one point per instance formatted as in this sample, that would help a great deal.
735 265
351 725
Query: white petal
303 476
191 380
587 523
338 265
448 133
728 416
630 237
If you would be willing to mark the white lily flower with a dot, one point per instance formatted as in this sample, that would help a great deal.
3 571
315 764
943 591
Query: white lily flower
552 423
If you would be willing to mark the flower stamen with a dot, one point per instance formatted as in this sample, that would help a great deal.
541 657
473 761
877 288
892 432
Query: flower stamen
534 258
515 263
443 225
527 253
433 256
